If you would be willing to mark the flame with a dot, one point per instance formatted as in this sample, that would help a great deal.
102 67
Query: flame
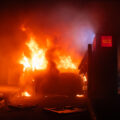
80 95
33 80
26 94
85 82
84 78
66 63
37 61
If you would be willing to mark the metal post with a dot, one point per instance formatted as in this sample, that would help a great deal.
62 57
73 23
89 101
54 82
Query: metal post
89 70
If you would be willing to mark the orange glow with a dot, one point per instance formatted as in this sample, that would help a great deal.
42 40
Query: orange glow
106 41
26 94
84 78
23 28
66 63
33 80
80 95
84 81
37 61
38 57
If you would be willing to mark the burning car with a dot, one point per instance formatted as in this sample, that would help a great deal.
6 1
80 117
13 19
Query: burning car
45 70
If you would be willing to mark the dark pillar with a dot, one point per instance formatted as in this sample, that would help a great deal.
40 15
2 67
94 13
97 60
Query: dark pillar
89 70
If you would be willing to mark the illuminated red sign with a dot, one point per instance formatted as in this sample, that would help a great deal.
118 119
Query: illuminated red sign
106 41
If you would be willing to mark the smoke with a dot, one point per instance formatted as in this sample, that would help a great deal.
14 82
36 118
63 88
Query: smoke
65 24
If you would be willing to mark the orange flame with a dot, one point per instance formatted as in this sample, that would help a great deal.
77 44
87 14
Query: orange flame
37 61
26 94
84 78
66 63
80 96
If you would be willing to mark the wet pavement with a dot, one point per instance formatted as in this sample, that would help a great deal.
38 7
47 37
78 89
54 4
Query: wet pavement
76 110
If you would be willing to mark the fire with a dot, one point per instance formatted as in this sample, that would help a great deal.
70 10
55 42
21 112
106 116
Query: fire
37 61
26 94
85 82
84 78
80 95
66 63
38 58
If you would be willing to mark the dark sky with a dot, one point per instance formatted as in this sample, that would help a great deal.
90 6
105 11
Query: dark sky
110 9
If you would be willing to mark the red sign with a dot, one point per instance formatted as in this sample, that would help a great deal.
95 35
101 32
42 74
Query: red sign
106 41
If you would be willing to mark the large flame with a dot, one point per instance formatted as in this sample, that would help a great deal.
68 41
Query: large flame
37 61
40 57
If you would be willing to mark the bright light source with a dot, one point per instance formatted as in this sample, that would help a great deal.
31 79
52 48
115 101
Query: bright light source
26 94
80 95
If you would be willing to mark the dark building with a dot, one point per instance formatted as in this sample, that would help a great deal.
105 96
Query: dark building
102 67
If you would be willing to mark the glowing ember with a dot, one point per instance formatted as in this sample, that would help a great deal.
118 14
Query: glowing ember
23 28
80 95
66 63
26 94
33 80
37 61
84 78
